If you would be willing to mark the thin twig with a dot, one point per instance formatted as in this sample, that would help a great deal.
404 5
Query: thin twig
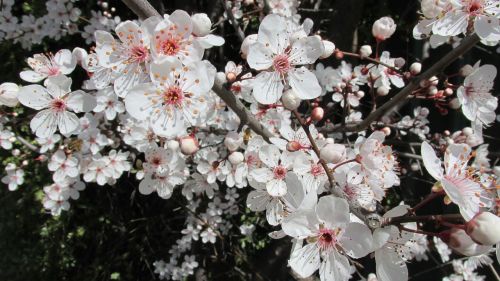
232 20
464 46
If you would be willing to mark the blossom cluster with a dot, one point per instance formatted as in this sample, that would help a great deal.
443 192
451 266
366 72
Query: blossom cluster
150 110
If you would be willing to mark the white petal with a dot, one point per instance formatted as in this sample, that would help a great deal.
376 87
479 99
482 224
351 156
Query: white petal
269 155
431 162
267 87
304 83
147 186
67 122
306 260
389 266
260 57
79 101
31 76
276 187
257 200
273 33
357 240
453 23
299 224
34 96
306 50
274 212
335 267
44 124
137 101
333 210
66 61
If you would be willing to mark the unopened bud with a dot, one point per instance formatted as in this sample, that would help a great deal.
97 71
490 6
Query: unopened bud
360 94
339 54
317 114
386 131
189 145
365 51
236 157
231 76
290 100
293 146
415 68
328 49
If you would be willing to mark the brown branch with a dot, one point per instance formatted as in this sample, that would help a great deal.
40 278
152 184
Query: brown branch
466 44
144 10
436 218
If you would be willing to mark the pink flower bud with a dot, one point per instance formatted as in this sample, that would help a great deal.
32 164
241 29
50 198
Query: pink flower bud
484 228
236 157
399 62
317 114
333 153
386 130
382 91
230 76
233 141
383 28
189 145
293 146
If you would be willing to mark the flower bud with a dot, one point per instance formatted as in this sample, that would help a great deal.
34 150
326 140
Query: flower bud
382 91
467 131
466 70
236 157
249 40
448 92
233 141
415 68
339 54
189 145
293 146
231 76
484 228
317 114
383 28
365 51
173 145
290 100
386 131
328 49
333 153
16 152
462 243
434 81
360 94
8 94
201 24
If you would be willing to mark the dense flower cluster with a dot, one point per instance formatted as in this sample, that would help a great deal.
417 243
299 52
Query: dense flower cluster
150 109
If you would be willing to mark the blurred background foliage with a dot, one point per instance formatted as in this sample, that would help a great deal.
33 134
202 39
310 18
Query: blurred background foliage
114 233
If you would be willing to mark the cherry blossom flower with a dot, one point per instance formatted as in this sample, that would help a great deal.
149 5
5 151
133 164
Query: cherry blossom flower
49 65
276 56
164 170
172 39
457 180
329 235
6 139
108 102
14 177
176 97
49 143
63 166
277 166
481 14
127 56
478 104
55 101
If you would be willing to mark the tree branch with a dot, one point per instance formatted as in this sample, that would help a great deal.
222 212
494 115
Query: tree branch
143 9
466 44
